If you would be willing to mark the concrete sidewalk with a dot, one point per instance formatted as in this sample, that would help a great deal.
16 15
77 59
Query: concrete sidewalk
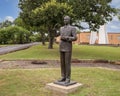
12 48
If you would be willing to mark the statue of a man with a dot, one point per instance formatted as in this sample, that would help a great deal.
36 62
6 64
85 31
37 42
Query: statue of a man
67 34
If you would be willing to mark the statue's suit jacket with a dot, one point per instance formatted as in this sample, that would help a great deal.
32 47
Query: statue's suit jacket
67 34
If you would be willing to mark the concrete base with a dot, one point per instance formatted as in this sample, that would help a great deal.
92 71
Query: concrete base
63 89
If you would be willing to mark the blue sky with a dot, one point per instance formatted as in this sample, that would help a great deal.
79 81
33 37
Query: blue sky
9 10
114 26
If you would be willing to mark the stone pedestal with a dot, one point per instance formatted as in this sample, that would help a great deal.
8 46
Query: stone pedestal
63 89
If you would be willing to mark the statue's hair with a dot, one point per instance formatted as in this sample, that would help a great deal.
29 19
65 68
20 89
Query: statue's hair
67 17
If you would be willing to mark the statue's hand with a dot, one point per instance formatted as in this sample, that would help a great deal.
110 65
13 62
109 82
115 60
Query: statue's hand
65 38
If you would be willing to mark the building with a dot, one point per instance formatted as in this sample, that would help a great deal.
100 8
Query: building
84 38
114 38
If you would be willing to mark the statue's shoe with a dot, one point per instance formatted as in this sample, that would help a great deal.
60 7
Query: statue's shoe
67 81
61 80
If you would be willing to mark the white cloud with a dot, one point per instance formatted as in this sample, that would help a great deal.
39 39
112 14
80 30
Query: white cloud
85 30
115 3
9 18
115 19
114 25
84 25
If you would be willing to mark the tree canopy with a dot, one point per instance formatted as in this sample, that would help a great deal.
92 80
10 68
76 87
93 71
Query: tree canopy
94 12
26 7
5 23
118 13
49 13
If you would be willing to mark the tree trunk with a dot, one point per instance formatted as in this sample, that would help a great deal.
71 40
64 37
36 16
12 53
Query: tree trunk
51 39
21 39
43 38
50 46
43 42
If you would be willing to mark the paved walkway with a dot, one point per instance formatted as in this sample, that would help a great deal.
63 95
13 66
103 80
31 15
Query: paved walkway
12 48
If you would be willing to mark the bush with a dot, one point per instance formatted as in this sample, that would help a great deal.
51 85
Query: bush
14 35
35 37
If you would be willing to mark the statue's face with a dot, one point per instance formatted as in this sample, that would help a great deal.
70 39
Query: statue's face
66 19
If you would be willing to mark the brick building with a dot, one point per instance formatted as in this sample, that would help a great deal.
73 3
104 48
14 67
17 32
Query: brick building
84 38
114 38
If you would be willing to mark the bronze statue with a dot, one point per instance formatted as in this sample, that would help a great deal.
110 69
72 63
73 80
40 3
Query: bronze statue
67 34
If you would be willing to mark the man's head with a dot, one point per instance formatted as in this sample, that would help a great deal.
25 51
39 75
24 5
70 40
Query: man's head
66 20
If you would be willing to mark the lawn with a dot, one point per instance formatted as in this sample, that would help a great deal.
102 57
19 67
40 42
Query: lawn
79 52
31 82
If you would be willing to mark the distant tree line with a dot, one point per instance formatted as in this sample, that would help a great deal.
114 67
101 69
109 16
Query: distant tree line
17 33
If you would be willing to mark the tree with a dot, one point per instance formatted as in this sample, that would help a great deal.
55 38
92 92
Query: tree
19 22
118 13
94 12
14 35
51 14
5 23
26 7
0 25
41 30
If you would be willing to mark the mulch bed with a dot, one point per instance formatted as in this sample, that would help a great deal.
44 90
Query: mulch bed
34 64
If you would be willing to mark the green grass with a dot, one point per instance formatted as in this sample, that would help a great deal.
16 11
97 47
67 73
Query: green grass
96 52
35 52
79 52
23 82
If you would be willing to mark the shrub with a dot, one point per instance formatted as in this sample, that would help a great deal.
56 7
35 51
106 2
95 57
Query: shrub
14 35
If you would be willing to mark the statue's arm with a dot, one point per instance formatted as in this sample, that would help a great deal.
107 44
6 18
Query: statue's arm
58 33
74 35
